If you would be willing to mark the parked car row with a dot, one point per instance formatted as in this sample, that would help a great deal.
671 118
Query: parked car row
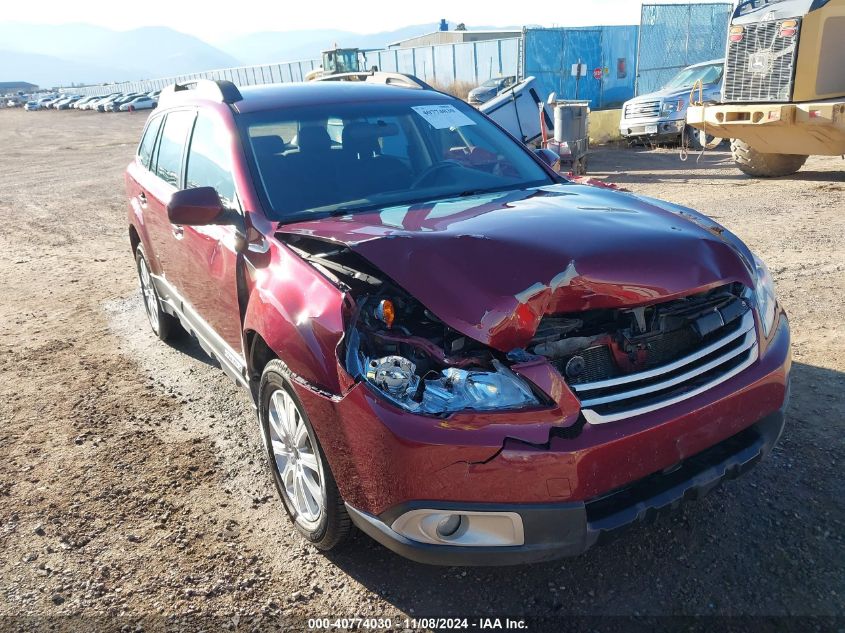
115 102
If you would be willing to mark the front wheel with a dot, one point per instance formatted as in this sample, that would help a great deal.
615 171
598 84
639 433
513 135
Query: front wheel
698 140
764 165
301 474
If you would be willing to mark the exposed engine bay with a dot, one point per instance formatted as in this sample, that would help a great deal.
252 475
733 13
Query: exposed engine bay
600 344
423 365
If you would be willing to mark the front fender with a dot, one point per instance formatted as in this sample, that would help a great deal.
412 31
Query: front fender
299 315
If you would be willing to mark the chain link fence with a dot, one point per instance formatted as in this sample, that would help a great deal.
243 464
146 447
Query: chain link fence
673 36
443 64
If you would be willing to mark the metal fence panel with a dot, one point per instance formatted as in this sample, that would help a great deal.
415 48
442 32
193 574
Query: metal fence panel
550 55
488 60
406 61
675 36
463 56
510 56
424 63
619 56
443 64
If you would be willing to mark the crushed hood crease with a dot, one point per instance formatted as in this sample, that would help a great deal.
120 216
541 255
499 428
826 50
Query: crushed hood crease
492 266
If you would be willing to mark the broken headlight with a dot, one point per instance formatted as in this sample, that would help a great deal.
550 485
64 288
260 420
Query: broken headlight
451 390
764 294
670 107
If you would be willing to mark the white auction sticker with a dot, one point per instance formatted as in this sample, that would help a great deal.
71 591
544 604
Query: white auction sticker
443 115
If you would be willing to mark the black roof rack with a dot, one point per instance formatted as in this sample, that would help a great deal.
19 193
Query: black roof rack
215 90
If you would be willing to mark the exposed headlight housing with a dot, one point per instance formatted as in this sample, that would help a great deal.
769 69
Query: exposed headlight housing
764 295
670 107
452 390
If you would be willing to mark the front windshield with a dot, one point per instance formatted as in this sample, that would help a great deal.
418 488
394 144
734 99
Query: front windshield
347 61
491 83
747 6
710 74
348 157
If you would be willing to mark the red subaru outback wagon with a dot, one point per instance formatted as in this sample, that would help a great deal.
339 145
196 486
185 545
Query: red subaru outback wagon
450 346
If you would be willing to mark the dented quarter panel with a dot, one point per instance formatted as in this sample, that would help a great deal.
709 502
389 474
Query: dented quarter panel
512 258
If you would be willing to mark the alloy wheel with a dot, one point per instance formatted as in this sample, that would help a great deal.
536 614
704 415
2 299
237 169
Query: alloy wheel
149 294
295 459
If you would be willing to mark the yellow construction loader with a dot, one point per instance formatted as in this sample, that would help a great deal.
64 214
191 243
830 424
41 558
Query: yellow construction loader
338 61
783 95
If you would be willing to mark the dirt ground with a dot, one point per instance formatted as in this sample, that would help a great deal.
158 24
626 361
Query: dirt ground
132 488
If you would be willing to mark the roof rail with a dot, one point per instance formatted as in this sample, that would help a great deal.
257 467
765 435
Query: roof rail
400 80
215 90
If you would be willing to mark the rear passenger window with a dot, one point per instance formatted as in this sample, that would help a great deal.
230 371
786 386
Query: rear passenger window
209 162
171 146
145 150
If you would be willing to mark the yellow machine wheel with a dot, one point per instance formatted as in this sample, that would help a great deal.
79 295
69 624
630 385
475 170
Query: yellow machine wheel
763 165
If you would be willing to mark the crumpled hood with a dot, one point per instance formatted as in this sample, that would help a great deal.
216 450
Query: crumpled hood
492 266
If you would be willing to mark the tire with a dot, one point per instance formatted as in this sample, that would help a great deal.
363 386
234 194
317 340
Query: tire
162 324
763 165
294 461
693 137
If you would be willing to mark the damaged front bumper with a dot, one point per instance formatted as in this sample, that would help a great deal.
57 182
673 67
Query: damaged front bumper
553 531
571 483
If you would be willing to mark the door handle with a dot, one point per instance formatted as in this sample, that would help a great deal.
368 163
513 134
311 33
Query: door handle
143 198
178 231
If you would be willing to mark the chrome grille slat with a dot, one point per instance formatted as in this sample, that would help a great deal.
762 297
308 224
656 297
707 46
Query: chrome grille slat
742 84
593 417
749 341
643 110
627 396
746 325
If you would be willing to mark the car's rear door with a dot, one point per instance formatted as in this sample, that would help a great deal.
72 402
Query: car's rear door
138 180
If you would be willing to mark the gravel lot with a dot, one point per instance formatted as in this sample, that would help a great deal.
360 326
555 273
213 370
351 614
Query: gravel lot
132 486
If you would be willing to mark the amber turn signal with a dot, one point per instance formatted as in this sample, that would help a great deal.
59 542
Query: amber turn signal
385 312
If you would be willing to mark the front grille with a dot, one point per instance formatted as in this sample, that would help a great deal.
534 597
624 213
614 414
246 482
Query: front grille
629 395
642 110
670 346
761 67
597 365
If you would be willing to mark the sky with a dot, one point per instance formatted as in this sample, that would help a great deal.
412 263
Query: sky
213 20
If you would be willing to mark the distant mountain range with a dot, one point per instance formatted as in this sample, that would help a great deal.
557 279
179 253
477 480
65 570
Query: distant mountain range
56 55
50 55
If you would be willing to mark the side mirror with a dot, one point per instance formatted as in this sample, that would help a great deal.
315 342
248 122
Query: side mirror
549 157
196 207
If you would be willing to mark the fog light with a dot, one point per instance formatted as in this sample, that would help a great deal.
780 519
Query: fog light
448 526
466 528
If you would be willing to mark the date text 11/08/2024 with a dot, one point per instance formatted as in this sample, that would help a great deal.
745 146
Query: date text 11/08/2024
376 624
